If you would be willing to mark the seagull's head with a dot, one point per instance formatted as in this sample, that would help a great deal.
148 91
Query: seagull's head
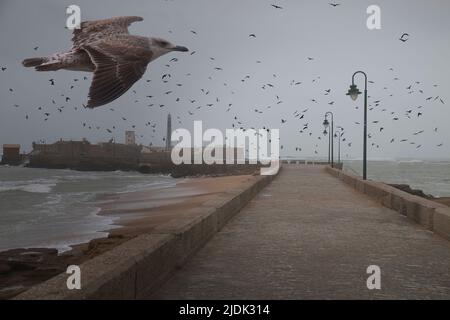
161 46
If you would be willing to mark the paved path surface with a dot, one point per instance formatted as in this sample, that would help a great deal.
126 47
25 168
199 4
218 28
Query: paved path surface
310 236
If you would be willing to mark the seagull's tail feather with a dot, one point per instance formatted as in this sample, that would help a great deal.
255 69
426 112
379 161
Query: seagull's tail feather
43 63
33 62
51 66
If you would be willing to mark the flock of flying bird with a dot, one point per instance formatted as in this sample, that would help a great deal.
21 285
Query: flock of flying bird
193 106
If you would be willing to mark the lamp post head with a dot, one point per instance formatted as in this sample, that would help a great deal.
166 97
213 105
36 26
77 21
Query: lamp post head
325 132
353 92
326 123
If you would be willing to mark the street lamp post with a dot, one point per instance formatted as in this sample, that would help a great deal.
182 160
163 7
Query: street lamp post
325 132
330 137
338 135
354 92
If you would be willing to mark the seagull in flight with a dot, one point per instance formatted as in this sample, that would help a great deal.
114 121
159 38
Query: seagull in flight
404 37
105 47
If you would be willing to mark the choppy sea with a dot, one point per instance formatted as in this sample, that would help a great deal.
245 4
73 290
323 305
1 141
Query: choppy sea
431 176
58 208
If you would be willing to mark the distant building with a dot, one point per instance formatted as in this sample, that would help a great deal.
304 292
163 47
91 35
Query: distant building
11 154
130 138
169 132
82 155
148 149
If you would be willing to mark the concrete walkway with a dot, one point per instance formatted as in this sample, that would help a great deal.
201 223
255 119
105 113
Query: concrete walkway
310 236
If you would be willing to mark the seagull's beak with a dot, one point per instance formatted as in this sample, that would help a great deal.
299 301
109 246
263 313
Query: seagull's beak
180 48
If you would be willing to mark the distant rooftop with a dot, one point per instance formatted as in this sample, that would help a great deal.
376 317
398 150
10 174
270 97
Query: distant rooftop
11 146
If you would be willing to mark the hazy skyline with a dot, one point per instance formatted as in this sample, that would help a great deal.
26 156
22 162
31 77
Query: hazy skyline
335 37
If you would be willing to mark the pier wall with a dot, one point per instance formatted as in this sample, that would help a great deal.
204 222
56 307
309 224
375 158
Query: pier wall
337 165
430 214
138 267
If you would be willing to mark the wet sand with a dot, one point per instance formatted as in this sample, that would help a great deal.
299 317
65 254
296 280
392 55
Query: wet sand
139 212
134 213
443 200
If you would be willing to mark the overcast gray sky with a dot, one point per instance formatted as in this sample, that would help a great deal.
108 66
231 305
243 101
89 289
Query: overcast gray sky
336 37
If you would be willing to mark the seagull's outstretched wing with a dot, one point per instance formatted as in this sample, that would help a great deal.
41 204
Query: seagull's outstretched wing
92 31
118 65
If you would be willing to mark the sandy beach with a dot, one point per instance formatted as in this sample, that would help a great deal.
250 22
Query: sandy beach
134 213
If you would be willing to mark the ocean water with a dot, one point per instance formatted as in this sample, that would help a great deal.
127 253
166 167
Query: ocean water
433 177
58 208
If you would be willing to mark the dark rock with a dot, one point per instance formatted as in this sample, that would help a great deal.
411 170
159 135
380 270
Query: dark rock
415 192
4 268
215 170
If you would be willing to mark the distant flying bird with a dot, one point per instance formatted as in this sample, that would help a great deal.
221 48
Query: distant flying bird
252 35
106 48
404 37
334 4
276 6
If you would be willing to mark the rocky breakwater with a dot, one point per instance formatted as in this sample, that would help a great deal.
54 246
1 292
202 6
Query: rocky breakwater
417 192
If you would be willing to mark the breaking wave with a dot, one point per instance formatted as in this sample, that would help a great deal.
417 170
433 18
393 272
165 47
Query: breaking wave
34 186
